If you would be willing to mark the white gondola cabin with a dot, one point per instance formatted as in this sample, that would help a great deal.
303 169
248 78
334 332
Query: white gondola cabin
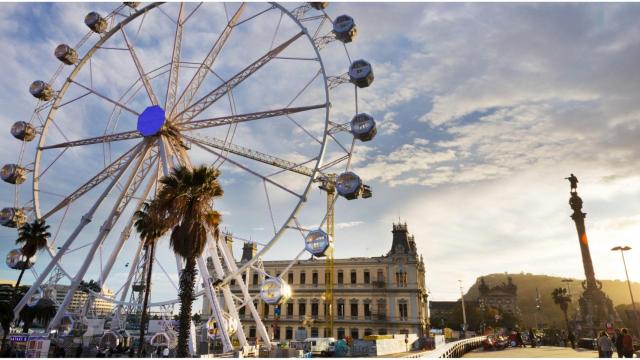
12 217
361 73
66 54
41 90
344 28
363 127
274 291
96 22
13 174
317 242
22 130
17 261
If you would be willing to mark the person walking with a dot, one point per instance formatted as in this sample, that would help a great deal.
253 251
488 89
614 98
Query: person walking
618 343
165 352
532 337
627 344
605 346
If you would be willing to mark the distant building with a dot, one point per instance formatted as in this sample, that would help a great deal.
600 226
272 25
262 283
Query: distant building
441 312
503 297
372 295
100 307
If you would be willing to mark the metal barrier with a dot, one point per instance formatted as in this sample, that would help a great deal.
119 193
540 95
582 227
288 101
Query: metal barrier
456 349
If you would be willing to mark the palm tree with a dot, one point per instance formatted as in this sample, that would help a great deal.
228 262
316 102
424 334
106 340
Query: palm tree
33 237
150 230
562 298
42 312
185 203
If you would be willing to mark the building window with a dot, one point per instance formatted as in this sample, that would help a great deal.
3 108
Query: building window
314 278
354 310
288 333
340 309
314 332
380 275
276 333
252 332
314 309
241 311
401 279
233 282
368 332
266 310
289 310
302 309
367 277
367 311
303 278
301 331
382 332
354 277
290 278
244 278
403 311
340 277
382 309
255 279
340 333
355 333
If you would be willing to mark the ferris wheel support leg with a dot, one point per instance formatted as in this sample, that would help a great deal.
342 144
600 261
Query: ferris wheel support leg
116 319
215 304
226 292
262 331
86 219
113 217
126 233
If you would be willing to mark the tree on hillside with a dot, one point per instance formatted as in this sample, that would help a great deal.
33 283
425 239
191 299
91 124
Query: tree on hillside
562 298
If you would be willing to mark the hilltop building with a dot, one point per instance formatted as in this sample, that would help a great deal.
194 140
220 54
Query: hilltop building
503 297
372 295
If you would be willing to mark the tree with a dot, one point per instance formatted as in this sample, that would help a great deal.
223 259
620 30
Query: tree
185 204
562 298
42 312
150 230
33 237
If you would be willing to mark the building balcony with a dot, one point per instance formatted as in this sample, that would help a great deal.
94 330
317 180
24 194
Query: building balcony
379 284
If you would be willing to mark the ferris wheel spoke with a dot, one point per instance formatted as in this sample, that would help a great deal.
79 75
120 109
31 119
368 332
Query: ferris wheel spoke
272 182
143 76
127 135
234 119
198 78
250 154
192 12
104 174
172 86
114 102
206 101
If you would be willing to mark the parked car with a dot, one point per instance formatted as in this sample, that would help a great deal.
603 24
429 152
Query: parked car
320 345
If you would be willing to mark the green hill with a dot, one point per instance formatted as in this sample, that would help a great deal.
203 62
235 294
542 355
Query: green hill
550 313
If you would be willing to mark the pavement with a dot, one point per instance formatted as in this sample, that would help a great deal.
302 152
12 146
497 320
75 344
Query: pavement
538 352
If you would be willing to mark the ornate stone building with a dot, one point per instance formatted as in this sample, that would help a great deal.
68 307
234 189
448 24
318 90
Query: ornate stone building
372 295
503 296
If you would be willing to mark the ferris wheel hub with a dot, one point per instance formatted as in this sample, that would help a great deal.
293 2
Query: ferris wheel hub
151 120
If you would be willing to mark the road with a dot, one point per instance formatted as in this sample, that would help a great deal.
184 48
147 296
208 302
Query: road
539 352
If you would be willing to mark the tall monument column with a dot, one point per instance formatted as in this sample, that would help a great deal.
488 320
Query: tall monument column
596 309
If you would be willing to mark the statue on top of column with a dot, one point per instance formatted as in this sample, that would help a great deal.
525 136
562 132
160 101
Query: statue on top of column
574 183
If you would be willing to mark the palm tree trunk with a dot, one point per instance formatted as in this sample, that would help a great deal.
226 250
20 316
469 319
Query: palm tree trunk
15 289
147 291
187 283
569 332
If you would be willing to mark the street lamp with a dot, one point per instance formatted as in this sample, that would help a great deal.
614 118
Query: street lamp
464 313
622 249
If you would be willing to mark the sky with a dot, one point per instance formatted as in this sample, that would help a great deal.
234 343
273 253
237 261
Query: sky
482 111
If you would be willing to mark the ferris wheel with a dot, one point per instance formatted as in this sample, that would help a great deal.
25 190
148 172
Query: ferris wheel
266 92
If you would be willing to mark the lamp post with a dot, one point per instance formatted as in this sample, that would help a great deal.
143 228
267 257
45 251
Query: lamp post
464 313
622 249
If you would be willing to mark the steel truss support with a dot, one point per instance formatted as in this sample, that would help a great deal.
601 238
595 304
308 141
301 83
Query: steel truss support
106 227
233 268
172 86
86 219
201 105
192 88
226 292
118 322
